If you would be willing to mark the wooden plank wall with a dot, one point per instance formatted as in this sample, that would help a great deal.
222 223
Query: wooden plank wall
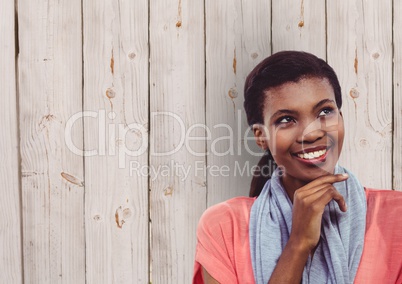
10 221
52 177
303 27
125 122
177 103
115 53
235 42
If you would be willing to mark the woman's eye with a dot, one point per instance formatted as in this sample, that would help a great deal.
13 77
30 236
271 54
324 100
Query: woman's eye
325 112
285 119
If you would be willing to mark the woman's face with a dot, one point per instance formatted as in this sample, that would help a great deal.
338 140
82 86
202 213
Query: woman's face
303 129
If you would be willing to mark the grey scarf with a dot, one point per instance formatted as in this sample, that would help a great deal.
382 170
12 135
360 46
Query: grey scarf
338 253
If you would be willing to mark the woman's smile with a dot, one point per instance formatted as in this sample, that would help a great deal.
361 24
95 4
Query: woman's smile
313 155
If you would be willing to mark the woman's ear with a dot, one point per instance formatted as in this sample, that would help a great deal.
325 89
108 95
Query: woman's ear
260 136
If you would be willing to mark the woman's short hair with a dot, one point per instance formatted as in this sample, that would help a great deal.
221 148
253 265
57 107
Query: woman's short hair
278 69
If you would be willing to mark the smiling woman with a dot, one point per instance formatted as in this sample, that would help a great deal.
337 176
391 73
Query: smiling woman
309 205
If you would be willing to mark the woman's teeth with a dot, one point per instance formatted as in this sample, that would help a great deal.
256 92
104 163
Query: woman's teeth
312 155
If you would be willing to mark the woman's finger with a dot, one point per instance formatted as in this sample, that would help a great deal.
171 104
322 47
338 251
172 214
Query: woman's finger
328 179
325 196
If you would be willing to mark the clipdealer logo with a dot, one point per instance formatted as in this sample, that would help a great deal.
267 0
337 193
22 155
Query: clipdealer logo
182 171
113 138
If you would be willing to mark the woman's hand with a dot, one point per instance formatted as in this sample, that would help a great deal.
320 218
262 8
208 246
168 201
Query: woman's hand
308 206
309 202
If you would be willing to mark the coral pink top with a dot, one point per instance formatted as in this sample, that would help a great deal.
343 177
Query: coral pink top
223 247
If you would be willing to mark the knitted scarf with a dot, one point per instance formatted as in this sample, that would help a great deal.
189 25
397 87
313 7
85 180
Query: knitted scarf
338 253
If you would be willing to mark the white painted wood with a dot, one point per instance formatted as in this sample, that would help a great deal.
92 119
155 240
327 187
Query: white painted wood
194 80
299 25
177 84
397 80
360 50
10 221
116 94
50 92
237 39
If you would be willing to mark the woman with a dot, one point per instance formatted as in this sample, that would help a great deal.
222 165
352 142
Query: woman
312 221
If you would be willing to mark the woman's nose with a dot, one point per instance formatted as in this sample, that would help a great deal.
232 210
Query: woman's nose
311 132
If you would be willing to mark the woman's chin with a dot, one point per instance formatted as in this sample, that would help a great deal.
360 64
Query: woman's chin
311 173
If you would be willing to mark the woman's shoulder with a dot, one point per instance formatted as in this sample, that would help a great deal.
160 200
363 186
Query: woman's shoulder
235 209
382 253
223 242
230 217
383 195
383 215
383 204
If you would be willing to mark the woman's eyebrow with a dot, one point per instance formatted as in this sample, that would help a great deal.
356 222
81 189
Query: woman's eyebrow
323 102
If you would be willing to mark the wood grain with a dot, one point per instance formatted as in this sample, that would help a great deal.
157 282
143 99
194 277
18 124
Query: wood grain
155 77
50 92
116 94
10 224
177 105
299 25
237 39
360 50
